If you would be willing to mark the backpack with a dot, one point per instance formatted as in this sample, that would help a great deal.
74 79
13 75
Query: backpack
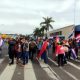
25 46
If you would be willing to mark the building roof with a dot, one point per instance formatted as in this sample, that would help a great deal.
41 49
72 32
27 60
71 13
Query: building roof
61 28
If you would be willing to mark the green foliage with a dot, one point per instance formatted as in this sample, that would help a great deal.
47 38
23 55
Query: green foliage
44 26
47 23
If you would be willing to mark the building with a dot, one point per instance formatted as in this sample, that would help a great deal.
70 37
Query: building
65 31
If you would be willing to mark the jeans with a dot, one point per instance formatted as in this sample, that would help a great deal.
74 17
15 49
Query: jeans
25 57
44 56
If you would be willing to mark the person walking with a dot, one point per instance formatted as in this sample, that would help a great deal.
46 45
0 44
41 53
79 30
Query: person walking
43 51
60 52
32 49
25 51
18 50
11 50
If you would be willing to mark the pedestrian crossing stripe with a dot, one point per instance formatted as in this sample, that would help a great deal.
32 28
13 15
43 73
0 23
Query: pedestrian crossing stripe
29 73
8 72
1 60
47 70
73 65
69 74
72 76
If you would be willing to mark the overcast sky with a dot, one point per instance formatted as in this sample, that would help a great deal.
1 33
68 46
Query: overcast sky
22 16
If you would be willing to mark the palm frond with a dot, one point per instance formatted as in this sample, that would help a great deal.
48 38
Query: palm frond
42 23
44 18
51 26
52 21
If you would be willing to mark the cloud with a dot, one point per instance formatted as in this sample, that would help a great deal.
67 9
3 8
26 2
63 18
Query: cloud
24 15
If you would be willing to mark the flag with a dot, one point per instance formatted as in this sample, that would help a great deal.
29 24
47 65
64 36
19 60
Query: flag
44 46
77 38
73 53
1 42
71 35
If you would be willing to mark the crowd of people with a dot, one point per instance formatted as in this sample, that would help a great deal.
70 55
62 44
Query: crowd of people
65 50
22 49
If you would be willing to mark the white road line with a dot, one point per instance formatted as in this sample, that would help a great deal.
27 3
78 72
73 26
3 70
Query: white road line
55 73
52 61
47 70
8 72
1 60
29 73
73 65
76 60
69 74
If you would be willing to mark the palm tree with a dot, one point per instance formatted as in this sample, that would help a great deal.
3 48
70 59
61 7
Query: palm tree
47 23
37 32
42 29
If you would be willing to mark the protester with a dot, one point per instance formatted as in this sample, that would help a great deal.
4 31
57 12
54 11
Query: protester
18 50
25 51
43 51
11 50
60 53
32 49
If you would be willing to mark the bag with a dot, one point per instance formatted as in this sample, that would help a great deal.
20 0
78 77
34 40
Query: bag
25 46
66 49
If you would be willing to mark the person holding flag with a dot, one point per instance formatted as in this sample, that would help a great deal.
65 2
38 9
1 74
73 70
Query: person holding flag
43 51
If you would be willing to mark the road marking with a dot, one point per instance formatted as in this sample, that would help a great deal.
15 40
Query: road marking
69 74
73 65
8 72
29 73
76 60
52 61
47 70
1 60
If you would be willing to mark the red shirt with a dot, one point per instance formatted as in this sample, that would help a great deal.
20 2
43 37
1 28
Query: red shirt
60 49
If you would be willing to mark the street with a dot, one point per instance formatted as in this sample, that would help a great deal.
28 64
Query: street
38 70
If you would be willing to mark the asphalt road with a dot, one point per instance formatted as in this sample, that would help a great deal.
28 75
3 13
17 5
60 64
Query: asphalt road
38 70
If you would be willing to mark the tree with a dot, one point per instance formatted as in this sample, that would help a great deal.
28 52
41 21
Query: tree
42 29
47 23
37 32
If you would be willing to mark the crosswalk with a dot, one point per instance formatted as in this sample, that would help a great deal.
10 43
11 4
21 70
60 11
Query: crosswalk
14 72
29 73
71 69
38 70
8 72
1 60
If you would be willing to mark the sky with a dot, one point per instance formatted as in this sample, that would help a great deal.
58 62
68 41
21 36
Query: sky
22 16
